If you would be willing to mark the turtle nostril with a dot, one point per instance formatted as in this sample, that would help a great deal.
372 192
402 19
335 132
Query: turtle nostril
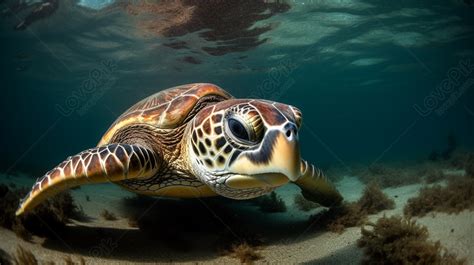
290 131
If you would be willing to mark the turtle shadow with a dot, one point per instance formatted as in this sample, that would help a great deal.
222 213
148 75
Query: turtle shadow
342 256
179 231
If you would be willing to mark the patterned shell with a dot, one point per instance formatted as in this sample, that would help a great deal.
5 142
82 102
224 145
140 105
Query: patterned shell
167 109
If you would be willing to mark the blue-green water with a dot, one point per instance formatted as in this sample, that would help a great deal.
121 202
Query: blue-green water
355 69
375 80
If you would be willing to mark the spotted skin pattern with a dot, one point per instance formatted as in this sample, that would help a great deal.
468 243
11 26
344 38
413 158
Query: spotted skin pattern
214 152
107 163
213 146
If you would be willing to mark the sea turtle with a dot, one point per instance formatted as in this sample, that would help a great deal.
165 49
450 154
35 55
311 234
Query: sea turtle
194 140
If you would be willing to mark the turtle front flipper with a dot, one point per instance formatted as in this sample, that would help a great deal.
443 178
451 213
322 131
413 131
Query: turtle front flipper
111 162
316 187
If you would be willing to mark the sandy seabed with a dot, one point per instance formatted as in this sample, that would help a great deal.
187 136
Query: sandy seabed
289 237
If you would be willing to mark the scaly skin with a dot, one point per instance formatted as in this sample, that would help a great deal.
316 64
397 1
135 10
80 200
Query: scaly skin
107 163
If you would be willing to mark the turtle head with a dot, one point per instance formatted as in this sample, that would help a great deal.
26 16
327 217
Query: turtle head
245 148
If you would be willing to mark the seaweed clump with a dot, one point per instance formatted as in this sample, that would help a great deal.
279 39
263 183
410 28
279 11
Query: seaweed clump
272 203
351 214
245 252
55 212
304 204
373 200
107 215
337 219
455 197
396 240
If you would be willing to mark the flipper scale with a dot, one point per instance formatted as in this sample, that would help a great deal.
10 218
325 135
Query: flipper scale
112 162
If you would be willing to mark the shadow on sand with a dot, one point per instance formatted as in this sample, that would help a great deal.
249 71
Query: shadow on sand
179 231
342 256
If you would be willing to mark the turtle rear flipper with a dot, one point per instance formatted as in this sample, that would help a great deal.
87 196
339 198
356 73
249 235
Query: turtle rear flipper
316 187
111 162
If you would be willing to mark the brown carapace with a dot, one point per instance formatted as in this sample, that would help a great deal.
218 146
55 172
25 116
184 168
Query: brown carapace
195 140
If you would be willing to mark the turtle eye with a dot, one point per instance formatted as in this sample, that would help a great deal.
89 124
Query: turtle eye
244 127
238 130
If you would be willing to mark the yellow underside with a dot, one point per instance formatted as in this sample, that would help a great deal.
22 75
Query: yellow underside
269 180
237 182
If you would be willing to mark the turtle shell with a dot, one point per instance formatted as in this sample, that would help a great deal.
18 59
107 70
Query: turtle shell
168 108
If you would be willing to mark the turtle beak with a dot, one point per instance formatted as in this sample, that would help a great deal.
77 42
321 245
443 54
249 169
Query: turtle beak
275 163
285 158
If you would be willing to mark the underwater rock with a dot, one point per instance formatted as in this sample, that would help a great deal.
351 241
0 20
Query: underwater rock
457 196
396 240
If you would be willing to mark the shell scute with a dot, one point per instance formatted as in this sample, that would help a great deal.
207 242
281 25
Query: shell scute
166 109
